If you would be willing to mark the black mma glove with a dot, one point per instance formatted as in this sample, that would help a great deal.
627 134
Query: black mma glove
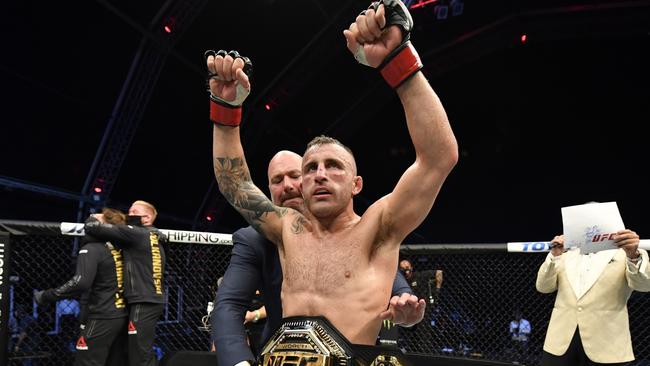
403 62
225 112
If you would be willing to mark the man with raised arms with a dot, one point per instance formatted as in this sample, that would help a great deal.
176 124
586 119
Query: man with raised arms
335 263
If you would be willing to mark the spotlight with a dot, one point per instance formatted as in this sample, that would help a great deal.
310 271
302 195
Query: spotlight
168 25
98 189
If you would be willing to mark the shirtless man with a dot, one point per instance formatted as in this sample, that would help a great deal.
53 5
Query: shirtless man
336 263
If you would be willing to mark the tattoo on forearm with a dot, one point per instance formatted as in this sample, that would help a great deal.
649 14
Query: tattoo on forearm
237 187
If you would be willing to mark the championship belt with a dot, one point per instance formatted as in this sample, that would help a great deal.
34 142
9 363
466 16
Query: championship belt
314 341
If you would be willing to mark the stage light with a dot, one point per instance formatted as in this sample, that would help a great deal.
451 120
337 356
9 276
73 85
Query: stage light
98 188
168 25
267 106
209 218
524 38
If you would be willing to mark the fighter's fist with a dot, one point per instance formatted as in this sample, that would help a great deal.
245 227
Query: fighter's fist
367 39
379 38
228 76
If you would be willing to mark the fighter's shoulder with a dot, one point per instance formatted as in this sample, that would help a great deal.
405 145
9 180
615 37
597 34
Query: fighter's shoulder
378 207
375 214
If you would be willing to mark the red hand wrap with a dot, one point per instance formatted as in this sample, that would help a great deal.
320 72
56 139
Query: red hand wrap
225 115
402 66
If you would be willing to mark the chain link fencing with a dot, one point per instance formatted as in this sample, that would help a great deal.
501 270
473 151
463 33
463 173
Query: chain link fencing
44 261
481 290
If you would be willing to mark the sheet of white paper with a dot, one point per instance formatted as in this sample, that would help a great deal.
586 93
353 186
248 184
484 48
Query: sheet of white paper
590 226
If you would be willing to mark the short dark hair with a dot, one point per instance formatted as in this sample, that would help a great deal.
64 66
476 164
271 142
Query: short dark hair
324 140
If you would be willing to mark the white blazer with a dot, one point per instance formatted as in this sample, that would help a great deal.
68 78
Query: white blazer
598 306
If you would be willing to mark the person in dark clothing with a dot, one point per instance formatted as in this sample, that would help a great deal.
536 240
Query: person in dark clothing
144 261
99 279
255 322
426 285
255 264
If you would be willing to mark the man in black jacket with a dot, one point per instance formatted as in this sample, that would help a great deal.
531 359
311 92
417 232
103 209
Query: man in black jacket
99 279
144 259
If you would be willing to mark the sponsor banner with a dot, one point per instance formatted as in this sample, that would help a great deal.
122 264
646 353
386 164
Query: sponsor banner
197 237
174 236
545 246
529 247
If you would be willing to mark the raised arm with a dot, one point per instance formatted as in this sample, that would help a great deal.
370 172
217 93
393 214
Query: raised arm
436 150
122 236
436 153
547 274
638 272
229 86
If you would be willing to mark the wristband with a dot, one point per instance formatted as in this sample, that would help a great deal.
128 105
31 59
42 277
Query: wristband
224 114
403 63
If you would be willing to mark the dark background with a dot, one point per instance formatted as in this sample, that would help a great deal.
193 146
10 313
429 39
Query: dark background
558 120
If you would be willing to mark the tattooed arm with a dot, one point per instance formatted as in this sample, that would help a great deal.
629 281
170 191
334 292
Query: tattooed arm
229 86
237 187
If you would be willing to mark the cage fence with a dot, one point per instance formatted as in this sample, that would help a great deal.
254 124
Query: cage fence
483 286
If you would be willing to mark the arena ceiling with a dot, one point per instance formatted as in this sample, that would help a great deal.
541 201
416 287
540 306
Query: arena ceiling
553 121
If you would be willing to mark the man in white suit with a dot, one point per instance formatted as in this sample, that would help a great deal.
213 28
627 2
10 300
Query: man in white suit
589 324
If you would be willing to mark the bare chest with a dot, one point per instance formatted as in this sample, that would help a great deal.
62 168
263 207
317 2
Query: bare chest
324 266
